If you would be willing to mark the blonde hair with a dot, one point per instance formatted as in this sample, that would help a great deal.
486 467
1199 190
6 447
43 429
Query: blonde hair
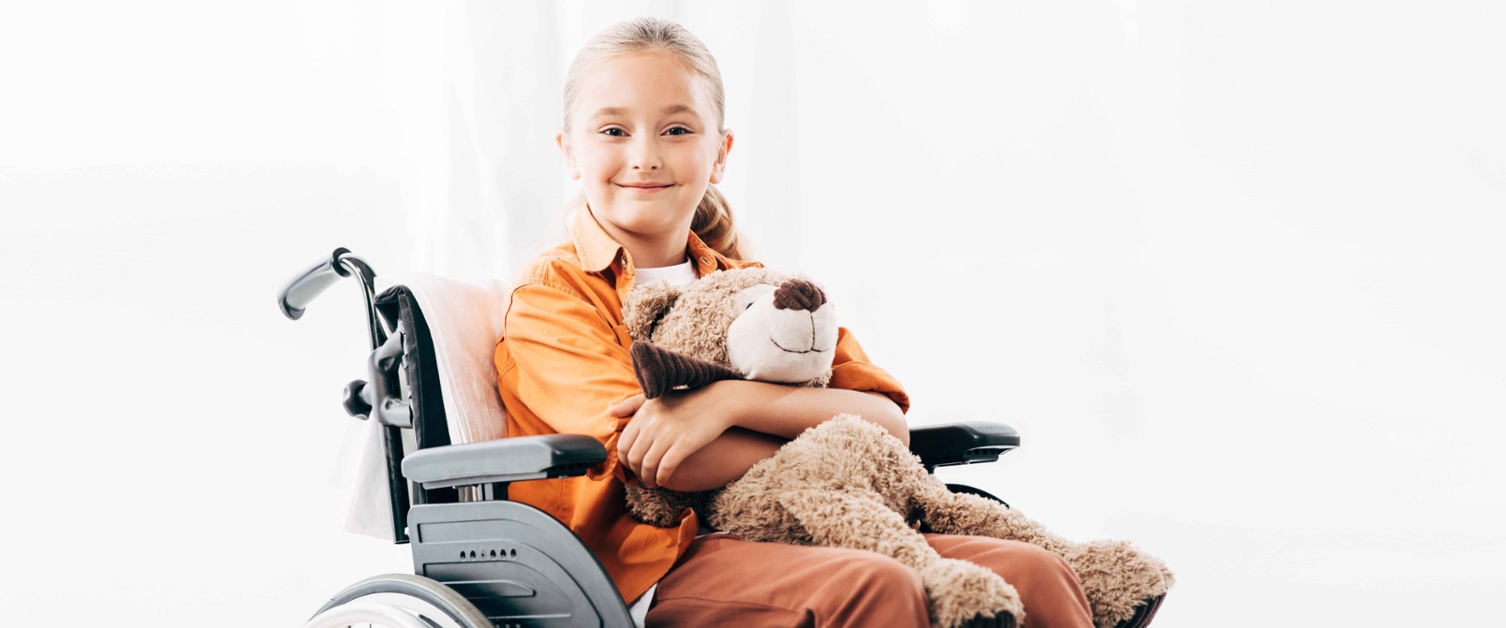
713 216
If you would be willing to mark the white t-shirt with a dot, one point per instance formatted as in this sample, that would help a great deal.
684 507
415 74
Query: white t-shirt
679 275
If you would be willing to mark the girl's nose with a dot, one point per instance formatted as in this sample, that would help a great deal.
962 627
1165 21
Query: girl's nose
645 155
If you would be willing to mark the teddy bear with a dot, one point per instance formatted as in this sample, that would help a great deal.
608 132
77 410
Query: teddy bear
846 482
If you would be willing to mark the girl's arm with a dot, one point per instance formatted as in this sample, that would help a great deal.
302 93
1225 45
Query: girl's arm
561 363
691 441
572 365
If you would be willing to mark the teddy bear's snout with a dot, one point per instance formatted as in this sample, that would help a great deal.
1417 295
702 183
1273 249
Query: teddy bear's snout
799 294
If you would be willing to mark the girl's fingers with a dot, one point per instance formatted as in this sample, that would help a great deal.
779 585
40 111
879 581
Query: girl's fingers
649 473
668 464
627 407
636 453
625 442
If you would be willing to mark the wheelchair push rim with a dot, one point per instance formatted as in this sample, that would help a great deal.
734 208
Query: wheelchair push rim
399 601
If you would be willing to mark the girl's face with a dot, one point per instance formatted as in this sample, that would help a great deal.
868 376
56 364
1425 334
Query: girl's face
645 144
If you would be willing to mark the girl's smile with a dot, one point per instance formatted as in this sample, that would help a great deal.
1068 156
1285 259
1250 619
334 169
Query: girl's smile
645 188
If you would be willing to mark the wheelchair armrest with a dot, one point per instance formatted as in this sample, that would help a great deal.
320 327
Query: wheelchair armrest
962 443
504 460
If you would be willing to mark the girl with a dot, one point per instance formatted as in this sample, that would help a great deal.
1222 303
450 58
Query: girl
643 133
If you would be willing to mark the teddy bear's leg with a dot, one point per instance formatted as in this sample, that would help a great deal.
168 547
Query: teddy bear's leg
1116 578
959 592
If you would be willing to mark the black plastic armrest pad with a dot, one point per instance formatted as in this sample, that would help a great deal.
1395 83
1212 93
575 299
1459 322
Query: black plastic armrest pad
950 443
504 460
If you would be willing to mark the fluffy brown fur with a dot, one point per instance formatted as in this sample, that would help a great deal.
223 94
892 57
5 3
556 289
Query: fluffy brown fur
849 483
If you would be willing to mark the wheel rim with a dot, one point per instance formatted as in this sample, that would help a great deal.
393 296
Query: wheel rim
428 602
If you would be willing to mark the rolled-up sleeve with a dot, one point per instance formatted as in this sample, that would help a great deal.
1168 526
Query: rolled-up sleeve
852 370
569 363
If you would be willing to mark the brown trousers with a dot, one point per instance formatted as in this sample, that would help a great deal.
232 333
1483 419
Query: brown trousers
725 581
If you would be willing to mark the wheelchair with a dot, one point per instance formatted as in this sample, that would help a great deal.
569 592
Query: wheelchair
480 560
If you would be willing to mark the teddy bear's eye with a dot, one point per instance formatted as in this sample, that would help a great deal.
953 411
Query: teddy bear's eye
750 295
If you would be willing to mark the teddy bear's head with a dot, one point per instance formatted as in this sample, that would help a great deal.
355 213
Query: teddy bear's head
749 323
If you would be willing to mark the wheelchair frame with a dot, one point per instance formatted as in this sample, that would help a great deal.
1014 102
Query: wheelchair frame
480 560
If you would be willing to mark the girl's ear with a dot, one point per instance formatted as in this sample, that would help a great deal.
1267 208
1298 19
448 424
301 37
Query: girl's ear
721 157
562 139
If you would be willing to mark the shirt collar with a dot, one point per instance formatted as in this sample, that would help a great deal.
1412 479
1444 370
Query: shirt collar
598 251
705 259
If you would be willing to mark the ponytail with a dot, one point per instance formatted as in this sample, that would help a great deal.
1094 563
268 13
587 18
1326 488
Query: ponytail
713 224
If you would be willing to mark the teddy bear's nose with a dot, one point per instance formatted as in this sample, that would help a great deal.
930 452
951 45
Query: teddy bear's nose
799 294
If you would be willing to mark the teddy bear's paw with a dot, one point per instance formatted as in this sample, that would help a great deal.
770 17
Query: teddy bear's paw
1117 578
657 507
1002 620
965 594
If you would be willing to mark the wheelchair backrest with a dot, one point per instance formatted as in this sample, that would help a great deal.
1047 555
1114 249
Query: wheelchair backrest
453 328
448 381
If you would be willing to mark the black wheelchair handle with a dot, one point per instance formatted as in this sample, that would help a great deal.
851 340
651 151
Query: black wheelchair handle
357 399
309 284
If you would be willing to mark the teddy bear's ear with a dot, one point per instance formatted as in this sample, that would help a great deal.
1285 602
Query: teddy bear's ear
646 305
661 370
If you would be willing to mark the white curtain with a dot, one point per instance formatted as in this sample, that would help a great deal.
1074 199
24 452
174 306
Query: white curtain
1234 271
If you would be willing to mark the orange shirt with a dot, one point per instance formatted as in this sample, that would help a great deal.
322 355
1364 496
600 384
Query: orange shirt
563 360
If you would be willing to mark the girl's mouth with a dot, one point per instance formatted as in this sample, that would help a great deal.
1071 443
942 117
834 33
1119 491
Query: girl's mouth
644 189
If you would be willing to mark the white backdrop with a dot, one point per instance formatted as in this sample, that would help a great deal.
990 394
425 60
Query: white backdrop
1234 270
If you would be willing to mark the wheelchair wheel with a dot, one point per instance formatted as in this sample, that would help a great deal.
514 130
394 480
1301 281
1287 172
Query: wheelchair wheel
973 490
398 601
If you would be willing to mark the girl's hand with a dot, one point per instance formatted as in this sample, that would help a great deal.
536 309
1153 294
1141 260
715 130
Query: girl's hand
664 432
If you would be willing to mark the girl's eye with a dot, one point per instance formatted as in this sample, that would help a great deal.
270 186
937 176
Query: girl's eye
679 130
614 132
